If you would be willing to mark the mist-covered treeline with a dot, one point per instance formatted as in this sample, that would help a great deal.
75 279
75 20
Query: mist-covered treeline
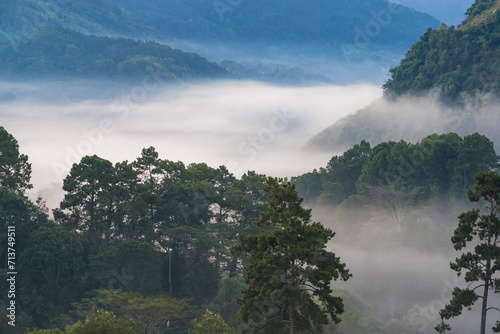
437 167
152 226
394 207
459 62
60 52
149 240
319 23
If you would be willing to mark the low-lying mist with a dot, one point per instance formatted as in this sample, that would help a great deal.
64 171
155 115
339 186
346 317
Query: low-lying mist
402 275
243 125
411 119
328 62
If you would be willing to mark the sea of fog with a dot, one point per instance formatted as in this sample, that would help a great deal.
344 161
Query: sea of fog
242 125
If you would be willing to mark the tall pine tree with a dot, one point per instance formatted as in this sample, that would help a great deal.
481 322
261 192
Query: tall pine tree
481 265
289 270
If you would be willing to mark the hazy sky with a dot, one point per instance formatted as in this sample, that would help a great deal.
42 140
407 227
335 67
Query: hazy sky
450 12
243 125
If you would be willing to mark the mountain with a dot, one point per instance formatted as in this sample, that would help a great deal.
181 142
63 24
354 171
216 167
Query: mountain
56 52
448 81
355 28
19 18
457 62
277 21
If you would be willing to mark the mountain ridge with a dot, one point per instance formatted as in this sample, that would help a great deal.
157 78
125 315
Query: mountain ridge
276 22
62 52
450 68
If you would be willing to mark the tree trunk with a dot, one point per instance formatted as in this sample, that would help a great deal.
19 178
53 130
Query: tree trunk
233 267
292 320
484 309
170 271
465 181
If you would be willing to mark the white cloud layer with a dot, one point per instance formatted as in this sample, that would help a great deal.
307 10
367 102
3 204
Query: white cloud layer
243 125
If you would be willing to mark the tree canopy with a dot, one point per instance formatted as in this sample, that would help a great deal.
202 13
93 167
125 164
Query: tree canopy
481 229
289 270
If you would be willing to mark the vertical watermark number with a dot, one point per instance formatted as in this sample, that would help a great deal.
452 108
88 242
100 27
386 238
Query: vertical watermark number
11 274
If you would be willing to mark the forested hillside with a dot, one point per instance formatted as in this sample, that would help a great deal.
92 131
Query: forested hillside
147 243
282 22
152 228
448 81
320 23
441 167
19 18
393 196
56 52
166 240
459 62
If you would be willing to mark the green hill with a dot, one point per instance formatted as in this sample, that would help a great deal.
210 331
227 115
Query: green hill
56 52
366 25
19 18
278 21
448 81
458 62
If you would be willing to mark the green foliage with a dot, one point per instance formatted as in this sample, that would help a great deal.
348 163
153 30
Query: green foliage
53 264
347 168
439 167
289 268
334 184
46 331
309 185
129 265
102 322
479 7
98 322
94 16
211 323
156 314
152 226
224 303
462 61
15 170
481 265
62 52
285 23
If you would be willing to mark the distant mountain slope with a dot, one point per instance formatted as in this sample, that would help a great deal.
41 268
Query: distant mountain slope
449 81
321 22
54 52
365 24
451 12
20 17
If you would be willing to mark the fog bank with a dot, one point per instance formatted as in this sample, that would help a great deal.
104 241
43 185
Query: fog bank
243 125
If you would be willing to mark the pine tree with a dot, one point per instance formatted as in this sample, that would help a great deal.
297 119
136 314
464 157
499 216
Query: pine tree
481 265
289 270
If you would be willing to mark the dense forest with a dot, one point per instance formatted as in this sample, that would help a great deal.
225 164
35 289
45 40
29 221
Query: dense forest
317 25
147 242
361 245
96 17
150 228
283 22
439 166
60 52
460 62
449 76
